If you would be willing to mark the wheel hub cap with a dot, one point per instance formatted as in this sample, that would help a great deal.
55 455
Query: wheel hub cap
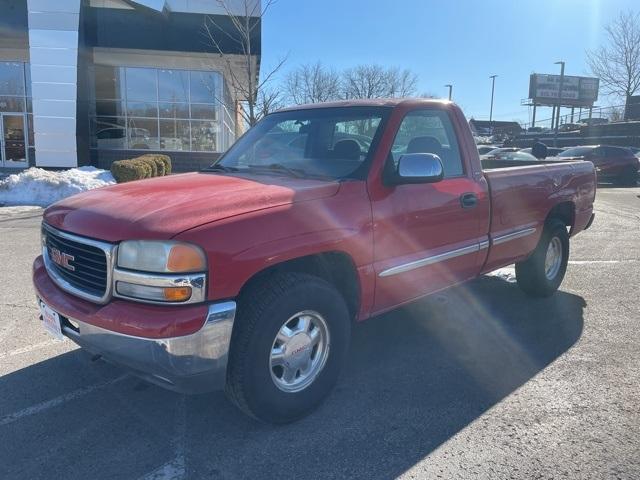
553 259
299 351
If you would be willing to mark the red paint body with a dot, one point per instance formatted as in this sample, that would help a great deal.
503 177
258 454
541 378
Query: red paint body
247 224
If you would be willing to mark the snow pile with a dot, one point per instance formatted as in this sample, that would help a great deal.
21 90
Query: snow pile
483 140
36 186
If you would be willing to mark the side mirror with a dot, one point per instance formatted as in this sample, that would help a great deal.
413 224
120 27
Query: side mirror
418 168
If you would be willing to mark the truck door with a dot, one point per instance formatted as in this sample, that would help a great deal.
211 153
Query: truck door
433 235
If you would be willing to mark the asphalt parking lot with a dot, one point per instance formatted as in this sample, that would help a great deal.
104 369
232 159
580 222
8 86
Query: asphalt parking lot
477 382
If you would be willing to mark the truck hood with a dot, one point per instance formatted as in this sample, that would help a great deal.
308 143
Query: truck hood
163 207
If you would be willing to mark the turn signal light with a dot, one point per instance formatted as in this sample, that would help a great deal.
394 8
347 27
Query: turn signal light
177 294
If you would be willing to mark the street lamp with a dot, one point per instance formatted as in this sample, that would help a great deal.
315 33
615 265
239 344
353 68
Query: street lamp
493 87
559 103
450 89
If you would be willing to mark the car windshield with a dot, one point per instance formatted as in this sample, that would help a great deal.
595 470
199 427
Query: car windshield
576 152
333 143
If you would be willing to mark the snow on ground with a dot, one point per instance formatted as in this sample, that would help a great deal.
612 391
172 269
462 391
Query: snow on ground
36 186
507 273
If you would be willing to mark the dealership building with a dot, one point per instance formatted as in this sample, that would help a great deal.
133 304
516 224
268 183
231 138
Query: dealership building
87 82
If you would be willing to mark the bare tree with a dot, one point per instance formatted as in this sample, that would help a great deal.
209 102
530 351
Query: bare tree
376 81
269 100
617 63
312 83
244 78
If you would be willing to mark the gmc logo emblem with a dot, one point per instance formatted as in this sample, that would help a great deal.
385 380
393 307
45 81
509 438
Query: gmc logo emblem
62 259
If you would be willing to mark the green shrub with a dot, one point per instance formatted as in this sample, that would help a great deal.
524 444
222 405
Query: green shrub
145 166
150 162
129 170
160 163
166 160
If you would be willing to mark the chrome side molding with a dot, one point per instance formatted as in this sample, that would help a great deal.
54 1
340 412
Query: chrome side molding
432 259
476 247
513 235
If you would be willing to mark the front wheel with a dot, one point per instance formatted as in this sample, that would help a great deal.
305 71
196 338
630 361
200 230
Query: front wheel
542 273
288 345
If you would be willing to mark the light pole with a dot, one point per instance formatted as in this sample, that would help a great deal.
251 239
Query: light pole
555 132
493 87
450 89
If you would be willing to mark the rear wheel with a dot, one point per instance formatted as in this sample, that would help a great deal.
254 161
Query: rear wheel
542 273
289 343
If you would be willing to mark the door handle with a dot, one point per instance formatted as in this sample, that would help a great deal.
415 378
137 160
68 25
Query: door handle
468 200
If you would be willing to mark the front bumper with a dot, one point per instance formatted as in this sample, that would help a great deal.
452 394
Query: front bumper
191 363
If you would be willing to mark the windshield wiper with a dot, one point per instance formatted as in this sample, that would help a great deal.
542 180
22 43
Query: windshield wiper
278 167
220 168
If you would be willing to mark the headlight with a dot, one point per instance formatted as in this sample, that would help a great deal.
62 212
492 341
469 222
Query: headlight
161 256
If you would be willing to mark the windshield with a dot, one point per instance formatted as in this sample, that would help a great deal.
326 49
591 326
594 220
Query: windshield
576 152
329 142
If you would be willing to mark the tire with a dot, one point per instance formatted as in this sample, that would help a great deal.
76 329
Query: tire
252 381
534 276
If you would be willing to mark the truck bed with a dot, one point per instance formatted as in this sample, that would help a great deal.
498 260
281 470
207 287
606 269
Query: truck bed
522 197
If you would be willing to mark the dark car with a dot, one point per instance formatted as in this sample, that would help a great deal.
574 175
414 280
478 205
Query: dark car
617 164
551 151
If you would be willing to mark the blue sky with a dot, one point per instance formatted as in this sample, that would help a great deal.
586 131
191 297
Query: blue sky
447 41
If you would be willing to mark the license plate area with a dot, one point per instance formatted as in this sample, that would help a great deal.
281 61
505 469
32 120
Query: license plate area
51 320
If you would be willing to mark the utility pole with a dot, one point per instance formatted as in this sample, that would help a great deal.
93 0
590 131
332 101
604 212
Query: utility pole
555 131
493 87
450 90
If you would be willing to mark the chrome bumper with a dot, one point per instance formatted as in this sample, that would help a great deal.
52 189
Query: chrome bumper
193 363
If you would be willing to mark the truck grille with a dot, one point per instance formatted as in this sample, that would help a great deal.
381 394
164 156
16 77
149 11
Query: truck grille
80 266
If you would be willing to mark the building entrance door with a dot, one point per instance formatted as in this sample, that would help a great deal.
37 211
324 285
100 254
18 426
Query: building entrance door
13 145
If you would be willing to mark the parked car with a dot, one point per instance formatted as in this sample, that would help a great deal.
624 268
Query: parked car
617 164
569 127
492 153
115 138
635 151
519 156
484 149
551 151
248 275
593 121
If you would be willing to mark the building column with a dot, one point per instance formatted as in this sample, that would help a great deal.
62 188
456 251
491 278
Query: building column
53 52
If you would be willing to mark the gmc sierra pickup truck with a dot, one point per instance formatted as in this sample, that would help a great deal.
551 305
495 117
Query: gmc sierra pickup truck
249 275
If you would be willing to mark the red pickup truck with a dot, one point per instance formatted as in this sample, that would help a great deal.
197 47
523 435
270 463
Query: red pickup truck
248 275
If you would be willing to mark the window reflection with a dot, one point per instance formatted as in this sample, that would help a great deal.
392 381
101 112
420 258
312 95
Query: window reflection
173 85
169 109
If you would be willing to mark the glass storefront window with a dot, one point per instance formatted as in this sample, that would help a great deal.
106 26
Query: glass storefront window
174 110
166 109
12 104
142 84
109 108
173 86
204 87
143 134
30 129
203 136
203 111
109 82
174 135
109 133
142 109
12 78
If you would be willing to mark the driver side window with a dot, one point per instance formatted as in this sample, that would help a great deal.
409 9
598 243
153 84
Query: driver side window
429 131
